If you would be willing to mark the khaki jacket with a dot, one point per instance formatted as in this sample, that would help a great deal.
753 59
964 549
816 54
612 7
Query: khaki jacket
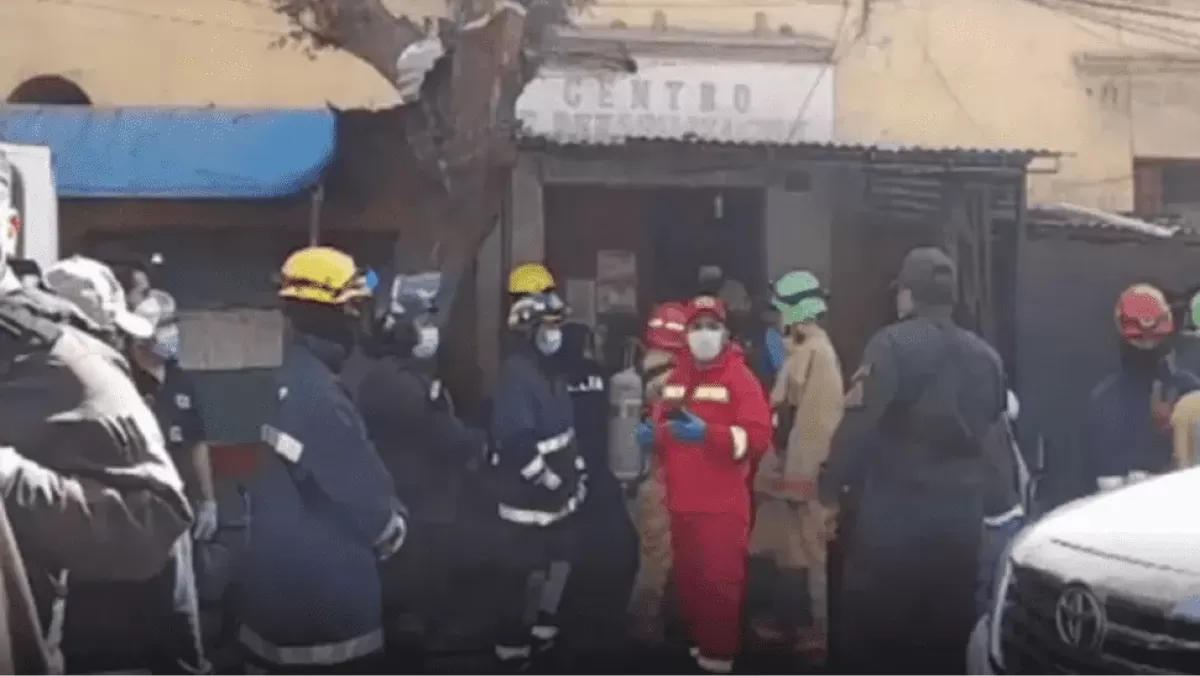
811 383
653 524
1184 419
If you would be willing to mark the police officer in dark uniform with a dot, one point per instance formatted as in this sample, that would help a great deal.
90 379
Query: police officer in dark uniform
168 390
91 487
428 452
911 445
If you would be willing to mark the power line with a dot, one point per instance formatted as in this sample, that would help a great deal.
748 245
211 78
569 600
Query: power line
1139 9
834 58
1088 11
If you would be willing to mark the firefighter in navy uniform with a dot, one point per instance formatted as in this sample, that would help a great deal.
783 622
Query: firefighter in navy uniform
911 443
538 476
606 560
322 506
428 452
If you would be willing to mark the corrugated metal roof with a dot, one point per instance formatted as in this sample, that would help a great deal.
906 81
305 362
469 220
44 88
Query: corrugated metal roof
881 150
1074 216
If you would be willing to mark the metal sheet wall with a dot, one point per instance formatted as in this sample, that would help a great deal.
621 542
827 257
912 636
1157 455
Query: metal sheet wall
1066 342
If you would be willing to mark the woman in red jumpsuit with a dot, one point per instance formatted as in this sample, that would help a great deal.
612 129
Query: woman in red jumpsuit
710 426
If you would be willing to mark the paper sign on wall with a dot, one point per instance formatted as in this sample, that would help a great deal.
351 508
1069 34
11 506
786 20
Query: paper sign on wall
581 298
616 282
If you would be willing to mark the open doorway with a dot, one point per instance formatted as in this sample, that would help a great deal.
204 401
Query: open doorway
669 233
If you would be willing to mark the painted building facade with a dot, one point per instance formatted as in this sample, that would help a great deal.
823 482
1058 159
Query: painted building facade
1113 88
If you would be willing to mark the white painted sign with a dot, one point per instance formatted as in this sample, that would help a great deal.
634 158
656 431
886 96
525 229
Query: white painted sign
717 101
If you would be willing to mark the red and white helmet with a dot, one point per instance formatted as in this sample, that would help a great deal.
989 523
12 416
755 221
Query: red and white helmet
665 328
1143 315
706 306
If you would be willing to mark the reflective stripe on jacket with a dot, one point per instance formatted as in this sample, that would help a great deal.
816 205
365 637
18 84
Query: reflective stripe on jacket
318 510
713 476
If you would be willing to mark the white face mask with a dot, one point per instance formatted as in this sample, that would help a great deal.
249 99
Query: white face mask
706 344
428 339
548 340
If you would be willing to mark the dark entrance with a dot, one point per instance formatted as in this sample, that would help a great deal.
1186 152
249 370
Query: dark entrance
672 232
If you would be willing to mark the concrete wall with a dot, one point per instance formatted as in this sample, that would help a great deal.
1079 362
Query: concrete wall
989 73
183 52
936 72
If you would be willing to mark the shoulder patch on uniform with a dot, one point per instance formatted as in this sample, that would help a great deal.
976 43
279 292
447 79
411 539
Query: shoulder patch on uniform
175 434
183 402
283 444
589 384
717 393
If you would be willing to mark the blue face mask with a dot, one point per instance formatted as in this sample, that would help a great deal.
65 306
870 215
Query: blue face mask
548 339
166 344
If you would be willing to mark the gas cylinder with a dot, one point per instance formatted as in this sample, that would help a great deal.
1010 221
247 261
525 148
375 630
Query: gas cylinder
625 456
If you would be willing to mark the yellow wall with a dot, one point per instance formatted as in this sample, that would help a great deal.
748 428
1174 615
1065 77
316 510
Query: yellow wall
980 73
180 52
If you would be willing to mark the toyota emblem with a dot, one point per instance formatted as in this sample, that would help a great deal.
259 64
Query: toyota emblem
1080 619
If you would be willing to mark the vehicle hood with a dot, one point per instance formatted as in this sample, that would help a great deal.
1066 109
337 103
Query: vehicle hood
1155 523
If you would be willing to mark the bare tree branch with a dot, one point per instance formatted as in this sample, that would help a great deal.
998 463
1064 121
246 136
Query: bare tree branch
363 28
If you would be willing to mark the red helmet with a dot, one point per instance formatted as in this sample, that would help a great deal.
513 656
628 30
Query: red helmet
665 328
706 305
1143 315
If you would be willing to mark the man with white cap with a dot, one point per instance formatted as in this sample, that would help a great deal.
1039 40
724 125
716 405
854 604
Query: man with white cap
152 623
94 289
84 473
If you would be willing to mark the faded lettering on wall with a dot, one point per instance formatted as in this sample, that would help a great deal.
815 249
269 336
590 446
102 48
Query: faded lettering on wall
726 102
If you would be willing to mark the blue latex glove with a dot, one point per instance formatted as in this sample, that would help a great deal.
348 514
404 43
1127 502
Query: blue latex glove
645 434
689 428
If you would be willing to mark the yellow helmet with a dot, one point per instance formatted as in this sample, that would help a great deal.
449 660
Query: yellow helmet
321 274
530 278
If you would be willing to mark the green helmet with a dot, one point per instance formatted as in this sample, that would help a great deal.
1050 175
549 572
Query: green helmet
799 297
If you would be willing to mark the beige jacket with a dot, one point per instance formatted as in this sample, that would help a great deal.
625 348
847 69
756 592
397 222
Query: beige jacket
811 383
1184 419
653 526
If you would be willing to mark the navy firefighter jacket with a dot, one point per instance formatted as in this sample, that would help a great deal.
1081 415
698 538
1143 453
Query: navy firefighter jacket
1120 434
538 472
317 509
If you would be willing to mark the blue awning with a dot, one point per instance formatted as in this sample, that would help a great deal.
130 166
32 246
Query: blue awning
177 153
